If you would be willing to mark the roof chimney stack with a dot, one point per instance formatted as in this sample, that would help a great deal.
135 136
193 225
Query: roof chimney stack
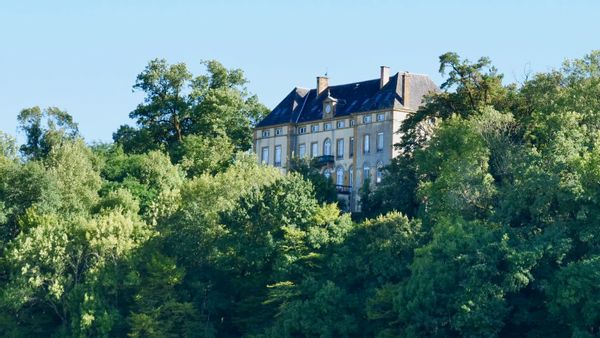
406 89
322 84
385 76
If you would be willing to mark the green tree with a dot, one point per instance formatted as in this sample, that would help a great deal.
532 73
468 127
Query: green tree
460 282
454 167
45 129
205 154
325 190
177 104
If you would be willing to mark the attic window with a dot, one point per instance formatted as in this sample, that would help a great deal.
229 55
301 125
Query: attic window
266 133
278 131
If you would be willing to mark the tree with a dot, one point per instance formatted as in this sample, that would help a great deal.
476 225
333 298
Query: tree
40 138
454 170
475 86
177 104
325 191
204 154
165 111
469 89
460 282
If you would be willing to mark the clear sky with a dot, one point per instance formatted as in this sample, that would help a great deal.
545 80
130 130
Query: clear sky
83 56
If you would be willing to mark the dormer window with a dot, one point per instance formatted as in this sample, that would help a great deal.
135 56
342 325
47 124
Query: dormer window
329 106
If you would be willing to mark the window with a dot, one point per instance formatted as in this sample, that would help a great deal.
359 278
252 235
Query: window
278 131
266 133
352 123
327 147
340 124
339 176
351 150
302 150
366 172
367 143
314 149
264 157
379 173
339 148
367 119
379 142
380 117
314 129
278 156
327 173
327 126
301 130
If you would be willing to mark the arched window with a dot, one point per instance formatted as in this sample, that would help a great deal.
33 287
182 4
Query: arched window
366 172
379 173
339 176
327 147
351 175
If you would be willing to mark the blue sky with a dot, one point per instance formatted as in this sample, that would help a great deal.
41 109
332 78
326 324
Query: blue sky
83 56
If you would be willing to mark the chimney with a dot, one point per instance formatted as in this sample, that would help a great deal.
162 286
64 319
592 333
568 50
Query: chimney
406 89
385 76
322 84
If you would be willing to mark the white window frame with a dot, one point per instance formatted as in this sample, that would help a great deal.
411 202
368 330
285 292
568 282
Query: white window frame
339 176
351 147
340 124
380 117
339 148
264 157
352 122
301 130
277 159
366 143
314 128
366 172
302 150
278 131
380 141
266 133
327 126
327 147
314 149
367 119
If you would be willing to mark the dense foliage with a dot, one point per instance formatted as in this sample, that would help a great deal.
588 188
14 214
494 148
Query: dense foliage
488 224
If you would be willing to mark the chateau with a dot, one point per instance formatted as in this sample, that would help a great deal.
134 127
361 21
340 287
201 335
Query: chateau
349 130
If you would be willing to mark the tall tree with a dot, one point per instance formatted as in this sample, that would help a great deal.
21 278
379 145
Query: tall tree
45 129
178 104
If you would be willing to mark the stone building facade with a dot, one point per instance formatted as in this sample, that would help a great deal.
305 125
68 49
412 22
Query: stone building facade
348 130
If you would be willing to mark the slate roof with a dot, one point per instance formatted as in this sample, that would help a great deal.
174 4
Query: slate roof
304 105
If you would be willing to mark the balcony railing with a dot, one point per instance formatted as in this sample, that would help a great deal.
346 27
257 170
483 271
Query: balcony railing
343 189
324 160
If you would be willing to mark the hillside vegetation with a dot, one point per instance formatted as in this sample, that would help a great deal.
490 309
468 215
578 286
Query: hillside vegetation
487 225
